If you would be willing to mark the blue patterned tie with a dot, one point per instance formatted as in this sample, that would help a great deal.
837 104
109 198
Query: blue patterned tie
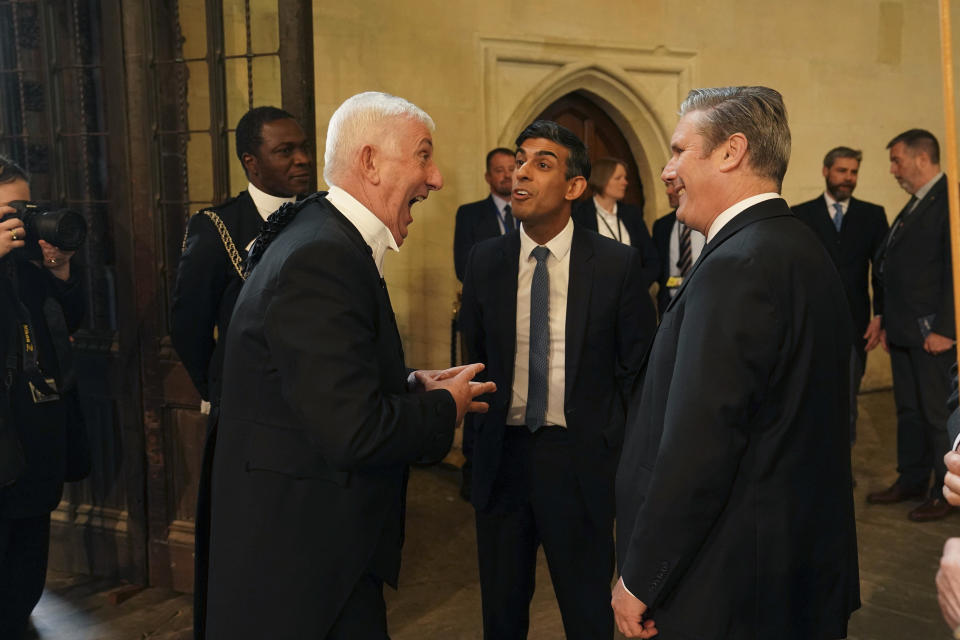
838 219
539 341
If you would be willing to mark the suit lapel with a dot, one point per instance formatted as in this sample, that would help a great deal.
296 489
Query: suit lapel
578 303
504 280
773 208
936 192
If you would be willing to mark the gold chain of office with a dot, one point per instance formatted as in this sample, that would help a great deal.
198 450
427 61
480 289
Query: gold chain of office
228 243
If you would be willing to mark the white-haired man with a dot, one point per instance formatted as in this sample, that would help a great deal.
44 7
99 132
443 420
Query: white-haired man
319 415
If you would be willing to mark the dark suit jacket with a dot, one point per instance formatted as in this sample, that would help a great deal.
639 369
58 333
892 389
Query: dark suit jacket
206 290
609 322
852 249
585 215
662 228
476 222
40 428
316 431
916 276
734 505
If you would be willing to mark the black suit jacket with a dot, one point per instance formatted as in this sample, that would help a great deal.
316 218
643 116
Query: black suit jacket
316 432
609 322
476 222
734 505
206 290
916 275
585 215
852 250
662 228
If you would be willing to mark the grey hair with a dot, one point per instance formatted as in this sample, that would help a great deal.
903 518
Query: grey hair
756 112
355 123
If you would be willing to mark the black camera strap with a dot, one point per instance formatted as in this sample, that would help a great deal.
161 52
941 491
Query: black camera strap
23 345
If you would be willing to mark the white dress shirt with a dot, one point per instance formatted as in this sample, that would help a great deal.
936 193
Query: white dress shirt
265 203
734 210
608 223
374 232
845 205
501 204
558 268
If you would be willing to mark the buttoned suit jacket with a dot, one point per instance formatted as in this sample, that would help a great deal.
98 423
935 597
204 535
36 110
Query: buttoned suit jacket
662 228
585 215
316 432
206 290
916 273
734 505
853 249
476 222
609 322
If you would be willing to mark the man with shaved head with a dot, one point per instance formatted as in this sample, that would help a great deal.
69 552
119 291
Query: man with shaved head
319 416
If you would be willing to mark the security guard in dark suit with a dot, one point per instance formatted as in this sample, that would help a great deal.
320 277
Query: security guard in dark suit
278 161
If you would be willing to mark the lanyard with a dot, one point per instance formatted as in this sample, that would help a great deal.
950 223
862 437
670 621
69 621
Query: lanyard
604 221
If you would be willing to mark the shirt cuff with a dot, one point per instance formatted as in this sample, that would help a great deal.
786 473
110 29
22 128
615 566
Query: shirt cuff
956 443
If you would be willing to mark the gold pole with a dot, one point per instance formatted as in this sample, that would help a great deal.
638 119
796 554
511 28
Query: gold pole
953 193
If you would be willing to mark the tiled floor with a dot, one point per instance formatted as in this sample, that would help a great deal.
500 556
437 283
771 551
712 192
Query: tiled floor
439 596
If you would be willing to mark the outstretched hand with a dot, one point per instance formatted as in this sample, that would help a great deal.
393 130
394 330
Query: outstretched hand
459 382
628 612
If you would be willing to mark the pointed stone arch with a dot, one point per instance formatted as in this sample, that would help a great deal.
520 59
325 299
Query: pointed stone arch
640 89
648 137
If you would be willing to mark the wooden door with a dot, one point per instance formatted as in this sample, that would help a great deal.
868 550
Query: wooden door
577 112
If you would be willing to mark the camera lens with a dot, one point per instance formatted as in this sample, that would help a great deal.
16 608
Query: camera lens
64 228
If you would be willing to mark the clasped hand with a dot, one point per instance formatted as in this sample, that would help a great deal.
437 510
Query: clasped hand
628 612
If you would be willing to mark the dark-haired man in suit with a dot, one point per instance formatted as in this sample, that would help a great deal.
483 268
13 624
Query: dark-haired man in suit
278 161
487 218
320 417
852 232
734 504
561 316
918 323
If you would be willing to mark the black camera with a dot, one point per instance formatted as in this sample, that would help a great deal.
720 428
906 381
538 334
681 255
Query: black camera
63 228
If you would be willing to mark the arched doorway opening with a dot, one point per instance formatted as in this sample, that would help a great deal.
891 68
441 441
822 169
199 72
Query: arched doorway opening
577 112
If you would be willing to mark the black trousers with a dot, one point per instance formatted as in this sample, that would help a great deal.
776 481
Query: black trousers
201 536
364 616
921 384
536 500
24 545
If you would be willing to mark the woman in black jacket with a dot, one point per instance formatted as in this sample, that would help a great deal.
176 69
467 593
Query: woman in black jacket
41 303
606 214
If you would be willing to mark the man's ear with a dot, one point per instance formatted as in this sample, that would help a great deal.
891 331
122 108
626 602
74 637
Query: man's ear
575 188
369 164
734 152
826 171
250 164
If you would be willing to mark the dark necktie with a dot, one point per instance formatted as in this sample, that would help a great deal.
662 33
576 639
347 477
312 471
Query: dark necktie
898 224
539 341
508 225
685 252
838 218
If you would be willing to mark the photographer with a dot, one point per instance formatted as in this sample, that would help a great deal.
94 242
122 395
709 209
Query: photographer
41 303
